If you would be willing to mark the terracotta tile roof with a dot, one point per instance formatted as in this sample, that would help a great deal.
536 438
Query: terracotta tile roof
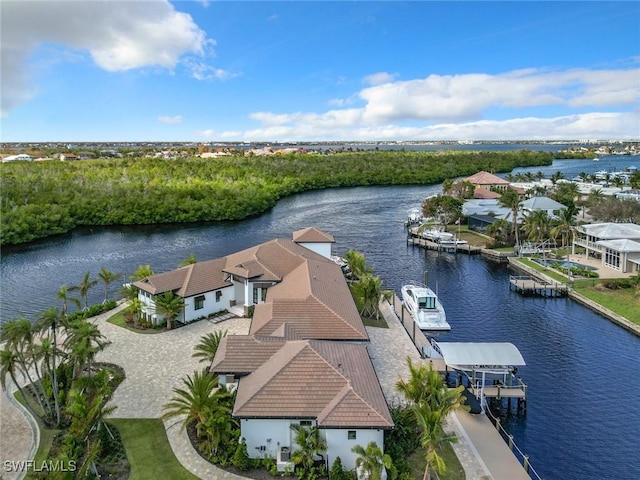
312 235
486 178
332 381
186 281
243 354
314 301
483 193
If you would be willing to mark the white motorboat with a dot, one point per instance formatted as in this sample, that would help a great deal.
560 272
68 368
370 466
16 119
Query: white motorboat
414 217
437 235
424 307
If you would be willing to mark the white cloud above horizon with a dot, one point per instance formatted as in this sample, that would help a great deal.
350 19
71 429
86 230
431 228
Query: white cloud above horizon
136 34
170 120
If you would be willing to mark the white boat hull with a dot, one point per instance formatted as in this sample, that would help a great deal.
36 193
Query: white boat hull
425 308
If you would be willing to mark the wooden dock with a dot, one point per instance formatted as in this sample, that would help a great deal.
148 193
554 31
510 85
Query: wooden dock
443 247
532 286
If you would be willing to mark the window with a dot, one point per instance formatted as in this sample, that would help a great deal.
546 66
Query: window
218 295
612 259
199 302
255 295
305 423
351 434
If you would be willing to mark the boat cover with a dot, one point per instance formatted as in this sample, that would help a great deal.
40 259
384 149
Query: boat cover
480 356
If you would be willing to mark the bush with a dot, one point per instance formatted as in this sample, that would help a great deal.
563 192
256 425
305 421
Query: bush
241 456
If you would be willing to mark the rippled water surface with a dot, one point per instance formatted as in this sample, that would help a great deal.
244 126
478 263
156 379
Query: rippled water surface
582 420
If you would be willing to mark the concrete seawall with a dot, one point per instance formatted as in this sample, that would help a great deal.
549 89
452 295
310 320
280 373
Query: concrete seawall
596 307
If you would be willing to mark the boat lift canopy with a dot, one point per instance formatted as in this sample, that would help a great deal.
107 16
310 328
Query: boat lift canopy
480 357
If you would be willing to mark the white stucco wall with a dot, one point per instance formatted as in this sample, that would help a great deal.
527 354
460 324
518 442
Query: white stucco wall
257 432
339 444
210 304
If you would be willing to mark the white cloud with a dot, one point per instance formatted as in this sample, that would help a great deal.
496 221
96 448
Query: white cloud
459 106
170 120
379 78
118 37
202 71
590 125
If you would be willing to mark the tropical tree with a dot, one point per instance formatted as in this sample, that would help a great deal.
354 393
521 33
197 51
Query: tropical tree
83 342
10 367
567 193
142 272
563 226
84 287
208 346
511 200
368 290
195 401
537 224
309 443
357 264
63 296
445 208
499 230
371 461
191 259
48 326
107 277
432 437
556 176
169 305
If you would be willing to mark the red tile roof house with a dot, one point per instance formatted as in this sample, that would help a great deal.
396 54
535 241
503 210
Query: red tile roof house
305 359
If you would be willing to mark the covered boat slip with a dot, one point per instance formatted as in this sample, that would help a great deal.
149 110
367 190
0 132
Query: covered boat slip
490 368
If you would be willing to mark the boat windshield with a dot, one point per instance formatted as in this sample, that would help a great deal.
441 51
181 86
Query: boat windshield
426 302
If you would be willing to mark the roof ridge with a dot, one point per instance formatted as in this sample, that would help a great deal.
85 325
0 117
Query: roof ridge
187 278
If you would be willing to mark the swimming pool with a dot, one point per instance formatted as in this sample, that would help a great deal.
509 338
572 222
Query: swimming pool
563 263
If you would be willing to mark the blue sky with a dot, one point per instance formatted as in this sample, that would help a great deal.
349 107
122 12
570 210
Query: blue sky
207 71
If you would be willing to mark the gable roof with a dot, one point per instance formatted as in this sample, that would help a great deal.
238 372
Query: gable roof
333 382
486 178
483 193
621 245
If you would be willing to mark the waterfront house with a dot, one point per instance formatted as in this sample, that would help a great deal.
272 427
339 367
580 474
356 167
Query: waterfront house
616 244
282 381
488 182
543 203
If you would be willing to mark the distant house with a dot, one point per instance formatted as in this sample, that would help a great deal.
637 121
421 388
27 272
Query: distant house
485 181
68 157
617 244
543 203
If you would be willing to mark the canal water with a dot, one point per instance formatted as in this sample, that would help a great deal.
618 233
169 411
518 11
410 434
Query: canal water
584 394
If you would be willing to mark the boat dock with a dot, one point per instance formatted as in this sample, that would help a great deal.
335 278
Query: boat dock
413 239
535 286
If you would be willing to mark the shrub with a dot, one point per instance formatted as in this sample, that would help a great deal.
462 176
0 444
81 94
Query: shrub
241 456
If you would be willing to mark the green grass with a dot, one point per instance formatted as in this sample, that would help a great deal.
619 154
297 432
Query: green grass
148 450
454 471
625 302
119 320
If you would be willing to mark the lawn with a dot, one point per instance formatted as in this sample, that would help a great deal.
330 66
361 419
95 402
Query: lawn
624 302
454 468
119 320
148 450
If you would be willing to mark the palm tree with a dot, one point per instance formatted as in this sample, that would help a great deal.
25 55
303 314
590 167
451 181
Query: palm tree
432 436
48 324
169 305
208 346
371 461
84 287
556 176
498 230
511 200
191 259
536 225
368 289
9 366
63 295
108 277
84 341
357 264
563 226
142 272
309 443
196 401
